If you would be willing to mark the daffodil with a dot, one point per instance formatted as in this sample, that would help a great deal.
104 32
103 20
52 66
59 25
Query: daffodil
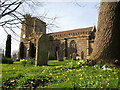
81 78
68 78
22 60
77 70
90 76
80 74
57 76
32 82
115 72
50 73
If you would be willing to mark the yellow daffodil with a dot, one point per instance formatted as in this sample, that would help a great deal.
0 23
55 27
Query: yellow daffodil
50 73
81 78
80 74
22 60
90 76
115 72
68 78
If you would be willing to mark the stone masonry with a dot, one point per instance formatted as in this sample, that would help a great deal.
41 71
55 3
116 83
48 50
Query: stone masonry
32 28
77 41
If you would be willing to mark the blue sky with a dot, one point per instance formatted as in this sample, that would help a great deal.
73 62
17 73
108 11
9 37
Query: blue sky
70 16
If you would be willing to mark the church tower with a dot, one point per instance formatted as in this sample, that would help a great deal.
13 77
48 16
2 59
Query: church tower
32 27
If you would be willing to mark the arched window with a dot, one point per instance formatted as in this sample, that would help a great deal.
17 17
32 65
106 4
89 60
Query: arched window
73 48
73 44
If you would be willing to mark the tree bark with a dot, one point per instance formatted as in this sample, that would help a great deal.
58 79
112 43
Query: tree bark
107 41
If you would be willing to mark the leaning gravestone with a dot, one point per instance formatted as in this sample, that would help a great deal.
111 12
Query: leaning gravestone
60 54
41 50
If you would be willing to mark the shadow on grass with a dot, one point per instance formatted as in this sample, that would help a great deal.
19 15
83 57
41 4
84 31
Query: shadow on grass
52 65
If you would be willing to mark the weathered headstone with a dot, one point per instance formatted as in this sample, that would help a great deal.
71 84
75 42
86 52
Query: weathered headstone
60 54
82 55
41 50
74 56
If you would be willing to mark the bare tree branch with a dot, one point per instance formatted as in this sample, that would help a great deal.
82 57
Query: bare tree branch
14 17
5 30
9 12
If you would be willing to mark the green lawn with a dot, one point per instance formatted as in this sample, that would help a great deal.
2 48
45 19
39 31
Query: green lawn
59 74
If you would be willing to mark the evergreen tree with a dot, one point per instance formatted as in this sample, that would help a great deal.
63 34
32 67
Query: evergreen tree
32 50
8 47
21 52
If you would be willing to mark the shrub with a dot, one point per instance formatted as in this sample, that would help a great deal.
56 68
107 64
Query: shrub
7 61
27 61
31 61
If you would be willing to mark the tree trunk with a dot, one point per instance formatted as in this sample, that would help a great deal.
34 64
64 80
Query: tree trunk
107 41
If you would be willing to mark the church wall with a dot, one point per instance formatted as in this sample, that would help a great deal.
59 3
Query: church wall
83 46
74 41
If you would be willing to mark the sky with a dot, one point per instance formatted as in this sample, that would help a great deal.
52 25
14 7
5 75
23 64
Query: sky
70 15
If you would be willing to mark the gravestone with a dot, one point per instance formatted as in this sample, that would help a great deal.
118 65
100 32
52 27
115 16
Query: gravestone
42 50
60 54
74 56
82 55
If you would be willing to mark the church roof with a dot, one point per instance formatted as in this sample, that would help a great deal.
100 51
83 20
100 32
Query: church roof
74 30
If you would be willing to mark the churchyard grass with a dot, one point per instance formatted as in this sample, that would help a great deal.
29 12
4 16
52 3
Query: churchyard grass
59 74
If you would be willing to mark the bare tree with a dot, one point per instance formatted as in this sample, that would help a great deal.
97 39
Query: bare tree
107 42
6 7
11 16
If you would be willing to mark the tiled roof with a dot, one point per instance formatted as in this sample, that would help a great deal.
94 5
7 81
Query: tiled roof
75 30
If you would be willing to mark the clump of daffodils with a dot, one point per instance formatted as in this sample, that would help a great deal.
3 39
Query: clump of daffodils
105 67
81 62
23 60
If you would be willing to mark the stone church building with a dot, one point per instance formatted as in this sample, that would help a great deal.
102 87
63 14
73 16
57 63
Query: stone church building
67 43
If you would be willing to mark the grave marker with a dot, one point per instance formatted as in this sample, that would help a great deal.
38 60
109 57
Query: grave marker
41 50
